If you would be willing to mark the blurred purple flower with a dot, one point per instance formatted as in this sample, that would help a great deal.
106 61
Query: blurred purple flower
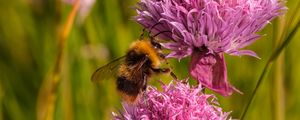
205 29
177 101
85 7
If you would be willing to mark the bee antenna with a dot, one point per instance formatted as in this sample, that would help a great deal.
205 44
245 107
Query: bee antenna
160 33
152 27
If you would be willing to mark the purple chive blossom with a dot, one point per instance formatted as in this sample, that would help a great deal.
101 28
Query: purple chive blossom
205 29
177 101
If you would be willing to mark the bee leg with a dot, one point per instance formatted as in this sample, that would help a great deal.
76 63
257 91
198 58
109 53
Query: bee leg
144 88
163 56
173 75
161 70
165 70
145 80
145 100
168 70
186 81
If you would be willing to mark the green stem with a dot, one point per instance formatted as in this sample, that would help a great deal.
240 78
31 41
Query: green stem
48 92
276 82
274 55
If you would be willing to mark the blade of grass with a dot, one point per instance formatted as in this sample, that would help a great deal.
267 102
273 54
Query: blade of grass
276 82
48 90
273 57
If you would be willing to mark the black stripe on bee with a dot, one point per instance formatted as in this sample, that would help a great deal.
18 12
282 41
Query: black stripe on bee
127 86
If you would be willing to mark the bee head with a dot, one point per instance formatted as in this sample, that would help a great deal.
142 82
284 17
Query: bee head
156 45
154 42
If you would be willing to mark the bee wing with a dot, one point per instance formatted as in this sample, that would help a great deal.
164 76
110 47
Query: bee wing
136 70
107 71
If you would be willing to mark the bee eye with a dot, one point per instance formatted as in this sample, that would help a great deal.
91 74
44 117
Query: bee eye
156 45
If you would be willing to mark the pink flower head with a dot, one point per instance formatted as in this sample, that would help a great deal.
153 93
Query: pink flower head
177 101
205 29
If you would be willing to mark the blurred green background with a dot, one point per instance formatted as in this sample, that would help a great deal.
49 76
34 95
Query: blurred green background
29 35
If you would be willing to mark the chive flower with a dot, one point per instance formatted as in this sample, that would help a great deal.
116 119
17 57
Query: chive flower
177 101
206 29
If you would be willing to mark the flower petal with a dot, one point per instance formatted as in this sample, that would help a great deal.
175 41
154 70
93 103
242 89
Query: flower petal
245 52
176 101
210 70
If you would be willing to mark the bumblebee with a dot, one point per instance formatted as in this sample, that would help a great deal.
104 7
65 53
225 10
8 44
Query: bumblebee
142 60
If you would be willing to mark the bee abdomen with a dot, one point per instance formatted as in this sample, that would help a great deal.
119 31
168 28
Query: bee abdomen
127 86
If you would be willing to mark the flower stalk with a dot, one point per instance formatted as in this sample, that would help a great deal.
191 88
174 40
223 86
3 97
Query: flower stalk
48 91
277 90
274 56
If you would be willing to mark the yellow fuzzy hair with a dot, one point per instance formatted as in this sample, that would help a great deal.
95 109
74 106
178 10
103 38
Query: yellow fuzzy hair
132 100
144 46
